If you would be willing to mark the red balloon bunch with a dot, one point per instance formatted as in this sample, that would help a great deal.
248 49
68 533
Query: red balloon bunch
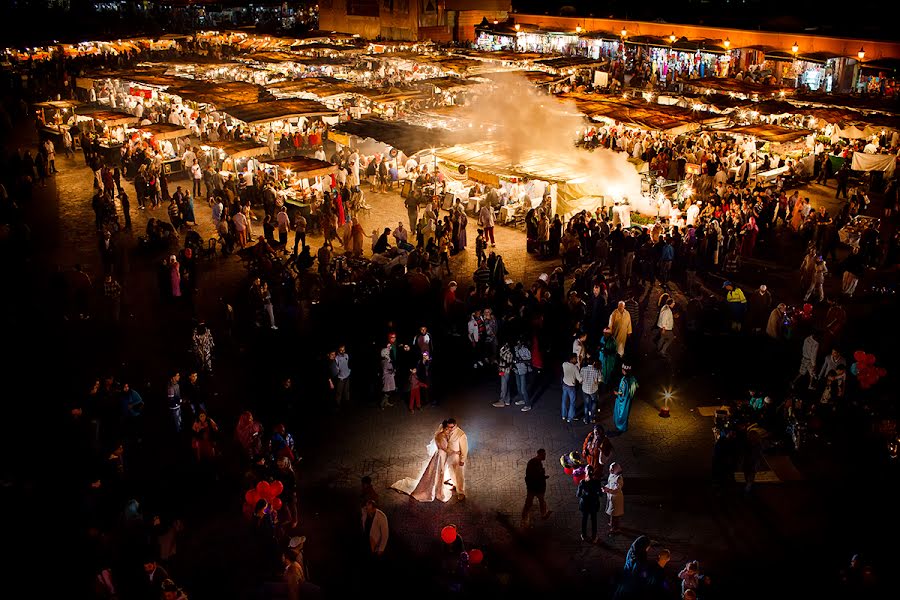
265 491
866 371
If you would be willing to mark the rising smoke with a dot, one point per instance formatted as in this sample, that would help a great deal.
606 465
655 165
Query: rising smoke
531 123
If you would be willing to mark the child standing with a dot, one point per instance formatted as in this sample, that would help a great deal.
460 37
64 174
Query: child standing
480 247
415 394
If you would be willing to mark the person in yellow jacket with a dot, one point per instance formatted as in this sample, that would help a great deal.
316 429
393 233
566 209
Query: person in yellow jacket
737 304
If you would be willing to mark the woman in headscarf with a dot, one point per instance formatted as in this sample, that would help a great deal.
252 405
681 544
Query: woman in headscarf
460 237
249 434
624 395
597 450
203 433
357 236
615 501
175 276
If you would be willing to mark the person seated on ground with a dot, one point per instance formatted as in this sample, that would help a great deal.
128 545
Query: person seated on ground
160 232
262 250
382 244
304 260
193 240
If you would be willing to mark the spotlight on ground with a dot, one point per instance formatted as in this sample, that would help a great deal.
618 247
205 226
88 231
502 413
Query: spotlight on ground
667 394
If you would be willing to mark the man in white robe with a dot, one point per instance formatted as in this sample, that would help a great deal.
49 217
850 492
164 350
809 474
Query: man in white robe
457 453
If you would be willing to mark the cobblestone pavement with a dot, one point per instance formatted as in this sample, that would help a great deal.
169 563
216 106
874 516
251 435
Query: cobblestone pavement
666 461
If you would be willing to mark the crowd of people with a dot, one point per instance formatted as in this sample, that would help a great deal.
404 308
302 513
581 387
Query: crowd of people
585 325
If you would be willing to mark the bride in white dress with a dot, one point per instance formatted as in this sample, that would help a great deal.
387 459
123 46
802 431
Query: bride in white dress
431 486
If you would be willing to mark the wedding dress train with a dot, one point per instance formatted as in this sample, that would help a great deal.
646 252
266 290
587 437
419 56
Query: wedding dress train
430 486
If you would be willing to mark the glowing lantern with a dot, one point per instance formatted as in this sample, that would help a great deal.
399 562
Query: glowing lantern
475 556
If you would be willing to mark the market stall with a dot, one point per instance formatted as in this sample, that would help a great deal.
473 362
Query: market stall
267 121
54 116
234 158
108 129
163 138
299 179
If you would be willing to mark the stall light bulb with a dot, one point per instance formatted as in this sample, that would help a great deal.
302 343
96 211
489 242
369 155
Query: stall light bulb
672 38
727 43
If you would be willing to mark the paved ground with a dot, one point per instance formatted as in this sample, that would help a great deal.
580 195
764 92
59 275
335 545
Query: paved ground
804 527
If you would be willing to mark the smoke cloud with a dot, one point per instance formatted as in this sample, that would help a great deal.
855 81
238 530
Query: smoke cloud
530 123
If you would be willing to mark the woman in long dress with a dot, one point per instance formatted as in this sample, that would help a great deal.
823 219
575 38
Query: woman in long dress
624 395
615 501
431 485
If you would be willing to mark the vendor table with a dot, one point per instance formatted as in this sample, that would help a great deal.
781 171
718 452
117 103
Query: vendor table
771 174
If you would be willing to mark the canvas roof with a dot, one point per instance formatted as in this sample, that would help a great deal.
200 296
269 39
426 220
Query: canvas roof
771 133
303 166
403 136
726 85
640 113
239 149
218 93
264 112
165 131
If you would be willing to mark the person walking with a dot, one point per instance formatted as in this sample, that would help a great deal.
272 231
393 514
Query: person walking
588 494
535 486
620 327
818 280
590 385
666 324
202 345
522 366
173 394
283 223
375 528
736 303
615 501
299 232
339 366
486 221
571 377
388 383
504 369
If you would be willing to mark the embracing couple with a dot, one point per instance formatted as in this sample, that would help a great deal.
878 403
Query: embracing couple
450 453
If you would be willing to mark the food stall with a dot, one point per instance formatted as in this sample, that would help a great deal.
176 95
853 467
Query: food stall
109 129
278 116
54 116
234 157
162 137
779 142
299 179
